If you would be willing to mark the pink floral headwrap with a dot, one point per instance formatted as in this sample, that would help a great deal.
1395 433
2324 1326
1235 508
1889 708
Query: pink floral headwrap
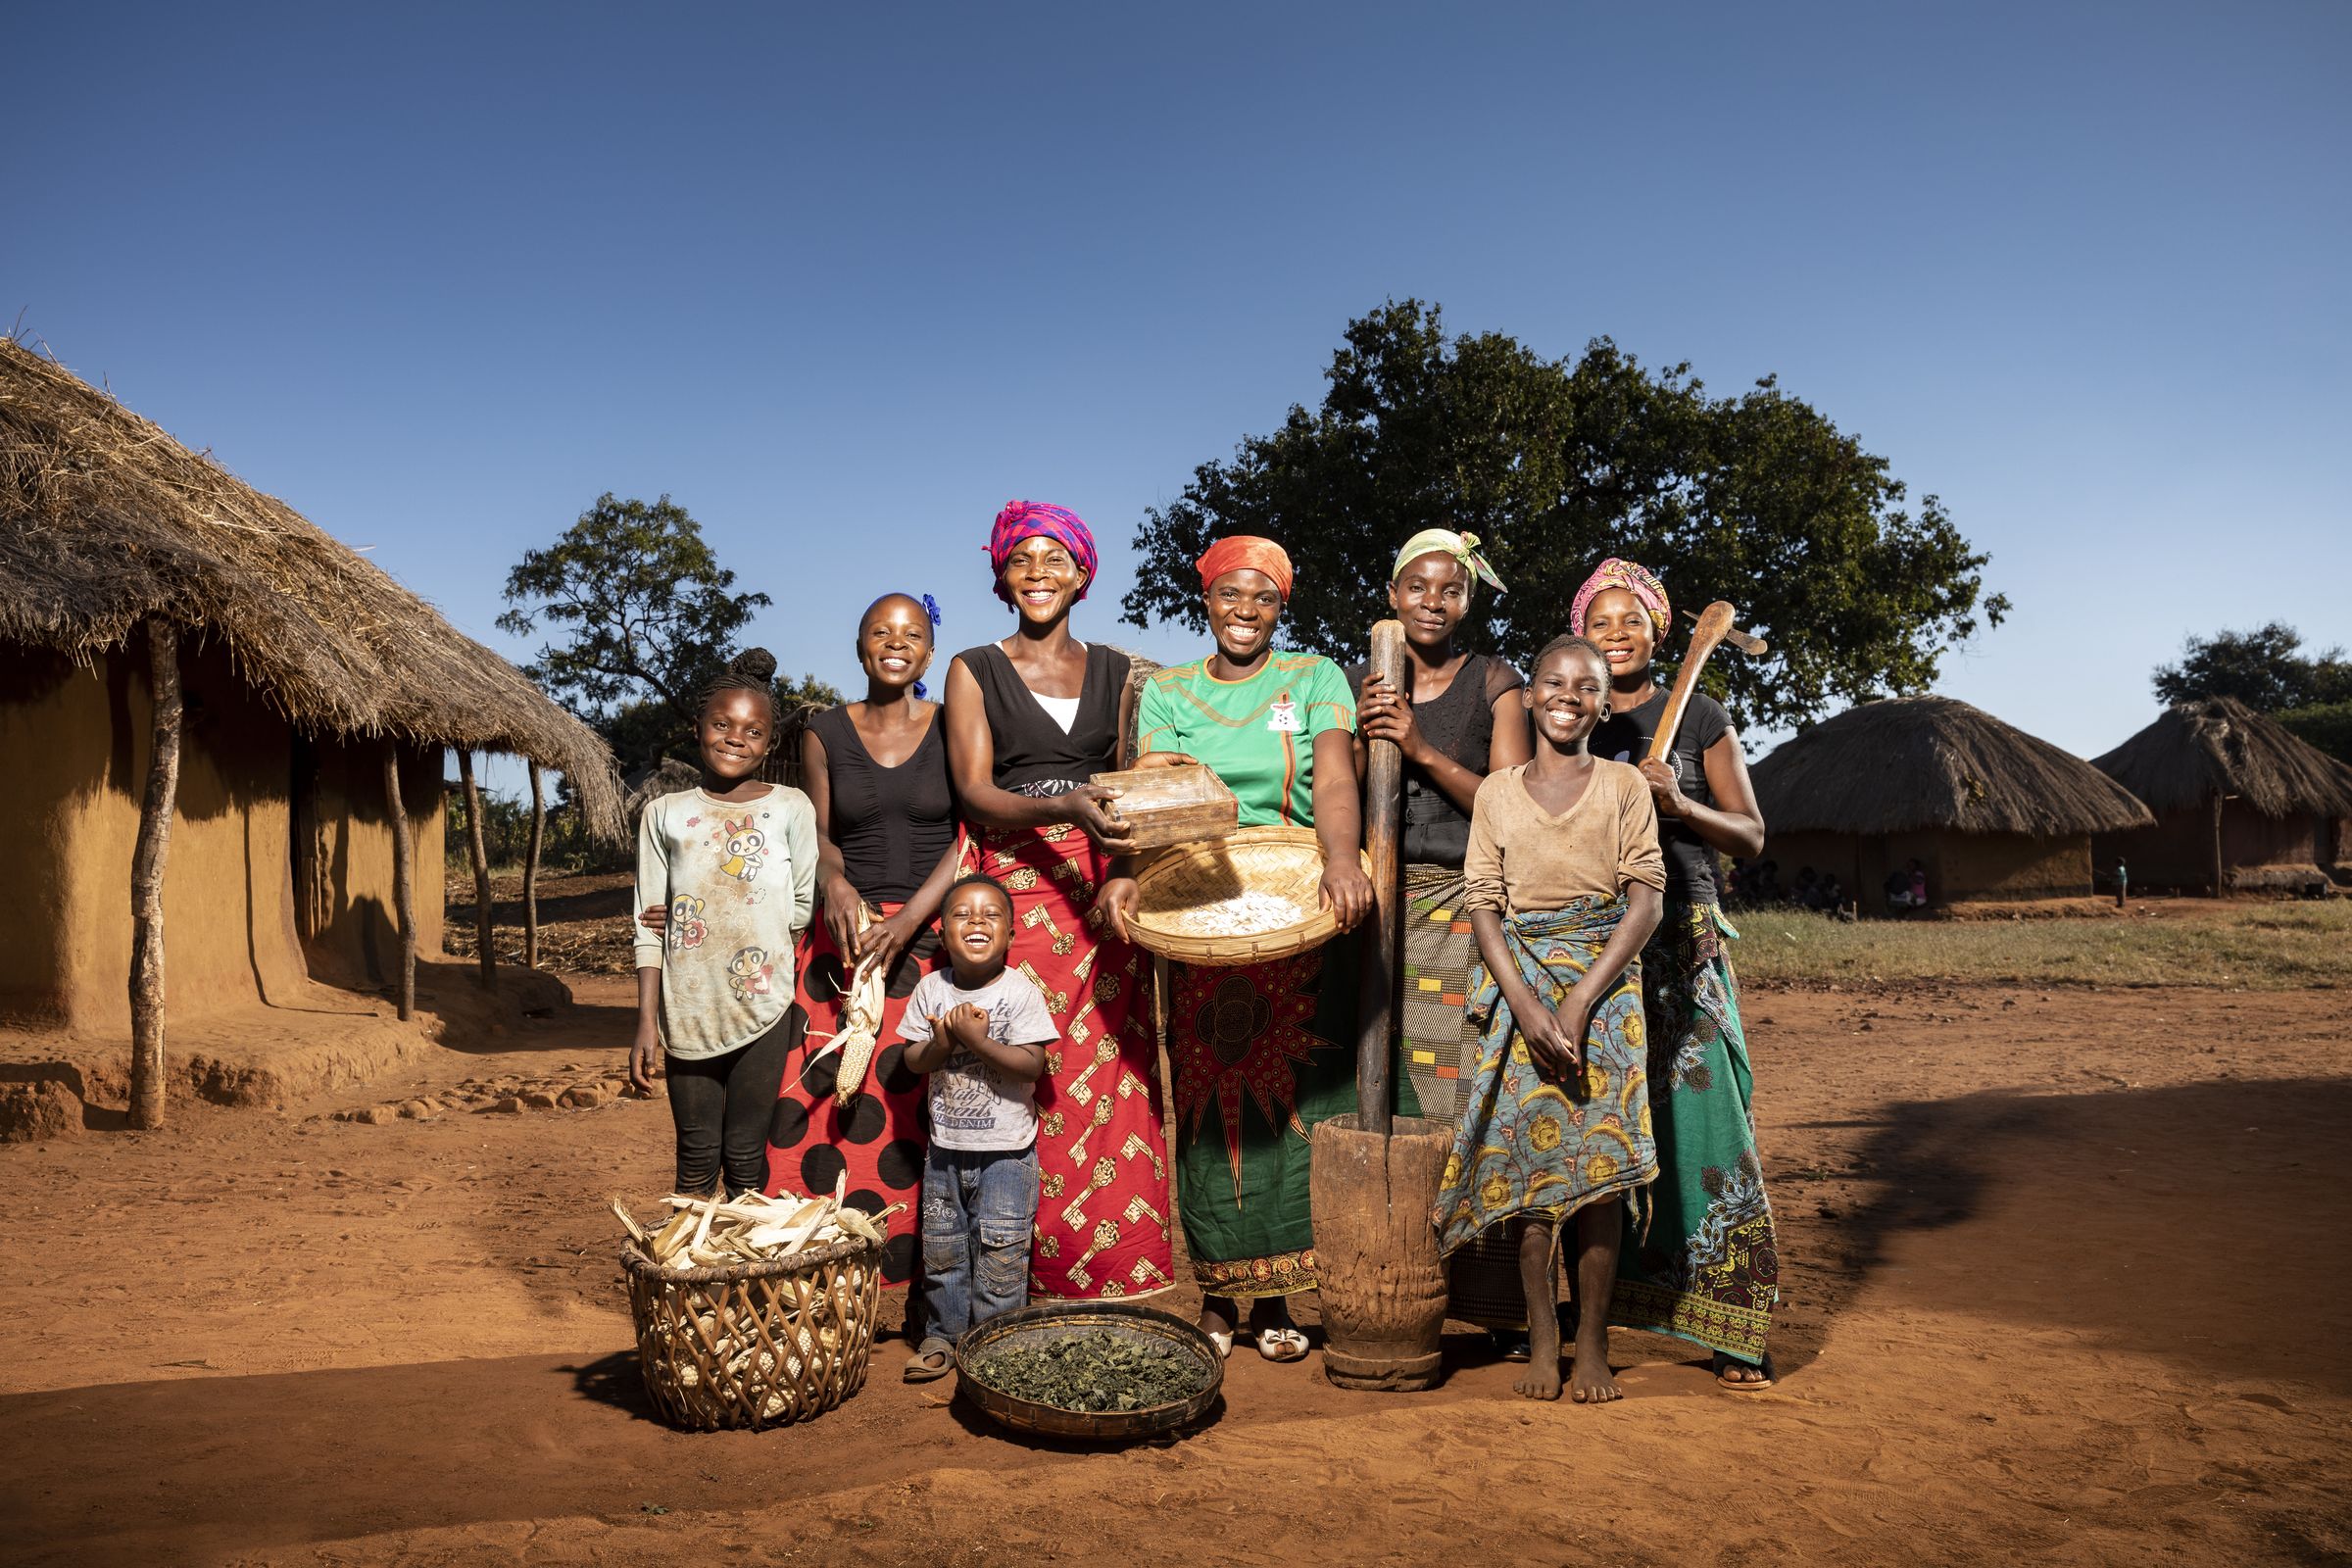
1027 519
1636 579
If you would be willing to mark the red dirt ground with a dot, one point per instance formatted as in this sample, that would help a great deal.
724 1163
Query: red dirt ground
2065 1279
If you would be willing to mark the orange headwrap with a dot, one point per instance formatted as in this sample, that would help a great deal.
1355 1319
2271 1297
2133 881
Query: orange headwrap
1246 552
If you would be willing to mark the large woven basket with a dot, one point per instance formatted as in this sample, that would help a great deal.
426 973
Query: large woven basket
1286 861
755 1344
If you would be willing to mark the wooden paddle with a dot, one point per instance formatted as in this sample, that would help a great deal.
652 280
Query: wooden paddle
1714 629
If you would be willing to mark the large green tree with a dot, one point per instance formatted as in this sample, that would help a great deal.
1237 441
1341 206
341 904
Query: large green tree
647 617
1556 464
2264 668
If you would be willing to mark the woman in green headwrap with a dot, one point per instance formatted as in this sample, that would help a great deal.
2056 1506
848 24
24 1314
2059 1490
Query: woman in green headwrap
1459 719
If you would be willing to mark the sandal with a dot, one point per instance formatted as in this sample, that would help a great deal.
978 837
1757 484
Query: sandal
932 1360
1724 1365
1285 1343
1223 1342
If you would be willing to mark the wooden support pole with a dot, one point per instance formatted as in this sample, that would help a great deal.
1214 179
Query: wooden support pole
1384 811
404 879
2217 799
478 852
530 872
152 850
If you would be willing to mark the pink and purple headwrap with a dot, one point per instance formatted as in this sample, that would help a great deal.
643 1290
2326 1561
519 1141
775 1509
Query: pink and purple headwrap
1636 579
1027 519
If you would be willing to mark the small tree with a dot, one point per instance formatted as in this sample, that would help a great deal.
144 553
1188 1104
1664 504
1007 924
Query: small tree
1756 498
2264 668
652 617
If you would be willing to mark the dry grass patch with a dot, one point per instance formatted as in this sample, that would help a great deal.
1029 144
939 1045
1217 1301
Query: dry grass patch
2267 947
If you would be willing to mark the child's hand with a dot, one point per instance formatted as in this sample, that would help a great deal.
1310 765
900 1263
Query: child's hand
654 917
1547 1038
966 1024
1574 1016
645 1053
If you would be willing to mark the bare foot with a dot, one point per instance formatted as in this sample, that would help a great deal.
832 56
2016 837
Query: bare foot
1541 1380
1592 1382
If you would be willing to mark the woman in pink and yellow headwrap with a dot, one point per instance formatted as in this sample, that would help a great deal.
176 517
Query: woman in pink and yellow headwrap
1709 1270
1030 717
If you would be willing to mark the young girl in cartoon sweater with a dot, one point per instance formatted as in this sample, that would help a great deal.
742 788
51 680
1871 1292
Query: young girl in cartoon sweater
733 861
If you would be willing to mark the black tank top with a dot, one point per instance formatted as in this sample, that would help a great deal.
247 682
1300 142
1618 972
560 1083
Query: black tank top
1034 755
892 824
1461 722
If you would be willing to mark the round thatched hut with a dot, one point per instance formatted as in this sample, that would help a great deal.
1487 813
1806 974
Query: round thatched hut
294 676
1990 810
2239 802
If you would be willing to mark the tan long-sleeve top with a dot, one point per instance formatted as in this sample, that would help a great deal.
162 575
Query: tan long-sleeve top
1522 858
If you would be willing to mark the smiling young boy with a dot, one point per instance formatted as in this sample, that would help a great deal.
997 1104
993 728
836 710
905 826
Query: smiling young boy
980 1030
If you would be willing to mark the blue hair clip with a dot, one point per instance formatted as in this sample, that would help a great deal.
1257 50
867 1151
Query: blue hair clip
931 608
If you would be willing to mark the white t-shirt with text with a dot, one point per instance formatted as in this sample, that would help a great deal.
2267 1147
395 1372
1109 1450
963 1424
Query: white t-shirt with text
973 1105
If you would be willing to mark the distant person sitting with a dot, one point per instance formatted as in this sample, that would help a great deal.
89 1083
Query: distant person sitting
1919 886
1899 891
1806 894
1833 898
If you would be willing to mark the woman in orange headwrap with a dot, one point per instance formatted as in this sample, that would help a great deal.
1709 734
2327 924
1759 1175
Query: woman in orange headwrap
1261 1052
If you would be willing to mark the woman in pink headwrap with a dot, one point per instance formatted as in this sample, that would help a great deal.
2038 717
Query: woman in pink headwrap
1030 717
1709 1270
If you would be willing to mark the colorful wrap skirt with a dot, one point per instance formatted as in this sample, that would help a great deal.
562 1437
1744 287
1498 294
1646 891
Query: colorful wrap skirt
1529 1146
1102 1211
878 1137
1708 1269
1261 1053
1436 1067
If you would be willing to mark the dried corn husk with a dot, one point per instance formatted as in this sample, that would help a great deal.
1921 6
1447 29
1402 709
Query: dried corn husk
707 1233
861 1022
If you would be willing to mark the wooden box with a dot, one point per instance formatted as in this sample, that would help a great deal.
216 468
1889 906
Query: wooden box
1173 805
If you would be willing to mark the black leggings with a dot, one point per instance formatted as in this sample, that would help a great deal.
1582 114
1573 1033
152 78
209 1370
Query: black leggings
722 1106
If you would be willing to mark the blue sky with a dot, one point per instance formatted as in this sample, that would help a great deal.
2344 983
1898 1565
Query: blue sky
843 280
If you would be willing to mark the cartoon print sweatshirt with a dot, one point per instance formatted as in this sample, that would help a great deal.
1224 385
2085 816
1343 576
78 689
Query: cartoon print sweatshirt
739 882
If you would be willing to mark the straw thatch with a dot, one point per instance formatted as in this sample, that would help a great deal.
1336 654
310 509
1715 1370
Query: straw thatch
106 521
2220 746
1910 763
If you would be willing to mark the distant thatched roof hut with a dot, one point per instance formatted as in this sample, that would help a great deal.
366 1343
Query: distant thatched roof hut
2239 801
1987 810
302 666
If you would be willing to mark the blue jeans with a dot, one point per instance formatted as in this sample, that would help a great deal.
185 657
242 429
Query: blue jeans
979 1207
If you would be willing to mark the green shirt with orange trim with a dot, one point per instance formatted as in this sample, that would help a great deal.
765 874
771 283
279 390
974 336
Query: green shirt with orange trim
1259 734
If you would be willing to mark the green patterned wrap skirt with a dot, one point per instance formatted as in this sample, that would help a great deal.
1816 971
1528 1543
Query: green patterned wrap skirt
1708 1268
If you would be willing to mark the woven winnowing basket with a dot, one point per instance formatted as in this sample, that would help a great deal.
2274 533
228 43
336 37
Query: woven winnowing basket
1285 861
754 1344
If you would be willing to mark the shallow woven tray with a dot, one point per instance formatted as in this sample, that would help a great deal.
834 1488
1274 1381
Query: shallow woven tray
702 1333
1286 861
1126 1319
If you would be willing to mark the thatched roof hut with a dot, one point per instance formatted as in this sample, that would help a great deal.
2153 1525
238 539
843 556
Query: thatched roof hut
2239 801
306 672
105 520
1987 810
